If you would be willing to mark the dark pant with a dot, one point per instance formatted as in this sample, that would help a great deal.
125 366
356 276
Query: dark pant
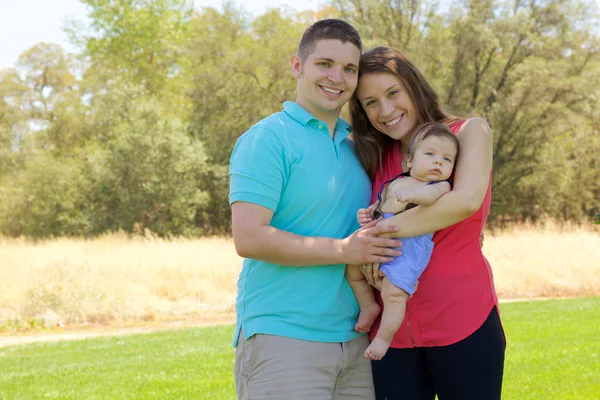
468 370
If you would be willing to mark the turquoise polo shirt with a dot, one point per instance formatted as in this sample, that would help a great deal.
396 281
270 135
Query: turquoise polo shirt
314 185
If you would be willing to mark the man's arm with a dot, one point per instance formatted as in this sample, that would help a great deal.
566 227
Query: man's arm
471 181
255 238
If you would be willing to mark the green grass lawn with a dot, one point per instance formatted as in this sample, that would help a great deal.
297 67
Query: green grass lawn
553 350
553 353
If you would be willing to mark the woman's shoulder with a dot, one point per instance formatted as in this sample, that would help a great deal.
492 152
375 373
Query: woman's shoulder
474 124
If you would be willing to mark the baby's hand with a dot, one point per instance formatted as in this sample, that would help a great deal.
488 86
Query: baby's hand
365 215
405 195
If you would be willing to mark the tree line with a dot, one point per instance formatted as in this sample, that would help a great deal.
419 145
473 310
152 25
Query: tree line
134 131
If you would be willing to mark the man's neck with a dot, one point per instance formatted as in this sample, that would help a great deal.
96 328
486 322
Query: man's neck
330 118
331 121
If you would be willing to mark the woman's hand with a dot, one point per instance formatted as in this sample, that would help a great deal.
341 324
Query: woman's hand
373 275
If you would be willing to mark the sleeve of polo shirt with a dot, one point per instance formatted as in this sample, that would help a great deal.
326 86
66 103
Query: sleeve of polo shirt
257 169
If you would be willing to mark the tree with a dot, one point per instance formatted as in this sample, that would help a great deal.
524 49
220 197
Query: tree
139 41
236 88
136 132
396 23
43 81
45 197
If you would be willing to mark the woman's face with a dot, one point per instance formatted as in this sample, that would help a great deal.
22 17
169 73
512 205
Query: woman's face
388 105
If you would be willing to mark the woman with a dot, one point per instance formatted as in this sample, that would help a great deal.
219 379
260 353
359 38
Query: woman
451 343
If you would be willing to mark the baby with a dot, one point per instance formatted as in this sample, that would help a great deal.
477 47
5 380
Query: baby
431 156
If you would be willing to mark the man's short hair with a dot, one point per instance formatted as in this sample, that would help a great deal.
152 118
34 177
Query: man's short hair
327 29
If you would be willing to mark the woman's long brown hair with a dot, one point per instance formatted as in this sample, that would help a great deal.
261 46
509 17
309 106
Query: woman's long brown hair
372 144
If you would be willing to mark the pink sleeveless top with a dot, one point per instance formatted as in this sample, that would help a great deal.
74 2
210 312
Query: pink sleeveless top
456 291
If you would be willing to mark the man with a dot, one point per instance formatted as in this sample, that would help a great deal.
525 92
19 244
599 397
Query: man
296 185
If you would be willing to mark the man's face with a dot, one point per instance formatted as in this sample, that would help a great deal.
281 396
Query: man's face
327 77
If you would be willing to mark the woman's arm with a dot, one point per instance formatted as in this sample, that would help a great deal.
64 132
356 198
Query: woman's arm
471 181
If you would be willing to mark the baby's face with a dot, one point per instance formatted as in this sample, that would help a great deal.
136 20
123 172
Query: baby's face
434 159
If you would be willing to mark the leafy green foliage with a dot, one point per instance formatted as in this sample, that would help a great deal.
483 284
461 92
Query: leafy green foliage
148 172
145 172
140 40
46 197
136 131
236 88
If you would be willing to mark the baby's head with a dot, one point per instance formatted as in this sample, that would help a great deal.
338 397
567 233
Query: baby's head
432 152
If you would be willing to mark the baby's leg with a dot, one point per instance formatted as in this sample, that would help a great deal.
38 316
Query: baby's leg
394 307
369 309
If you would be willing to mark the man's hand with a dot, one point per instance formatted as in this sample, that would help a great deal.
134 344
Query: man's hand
365 246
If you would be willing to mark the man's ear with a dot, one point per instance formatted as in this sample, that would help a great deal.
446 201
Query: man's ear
296 63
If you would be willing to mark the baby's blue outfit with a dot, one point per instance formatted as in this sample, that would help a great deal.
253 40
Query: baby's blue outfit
404 270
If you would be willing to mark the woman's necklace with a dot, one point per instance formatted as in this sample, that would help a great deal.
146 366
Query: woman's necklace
404 160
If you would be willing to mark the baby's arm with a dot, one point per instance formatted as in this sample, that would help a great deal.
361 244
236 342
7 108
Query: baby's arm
391 203
365 215
422 195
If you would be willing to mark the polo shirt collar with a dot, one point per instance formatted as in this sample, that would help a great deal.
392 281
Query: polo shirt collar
304 117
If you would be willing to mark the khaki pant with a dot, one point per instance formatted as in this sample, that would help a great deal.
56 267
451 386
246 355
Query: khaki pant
280 368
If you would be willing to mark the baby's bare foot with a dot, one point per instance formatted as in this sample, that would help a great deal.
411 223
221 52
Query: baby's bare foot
366 317
377 349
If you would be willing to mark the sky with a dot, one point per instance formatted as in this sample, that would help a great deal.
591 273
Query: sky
24 23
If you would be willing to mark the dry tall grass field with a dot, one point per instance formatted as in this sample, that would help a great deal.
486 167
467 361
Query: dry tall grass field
116 280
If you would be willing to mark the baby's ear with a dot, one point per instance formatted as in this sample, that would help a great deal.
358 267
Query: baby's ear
409 161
